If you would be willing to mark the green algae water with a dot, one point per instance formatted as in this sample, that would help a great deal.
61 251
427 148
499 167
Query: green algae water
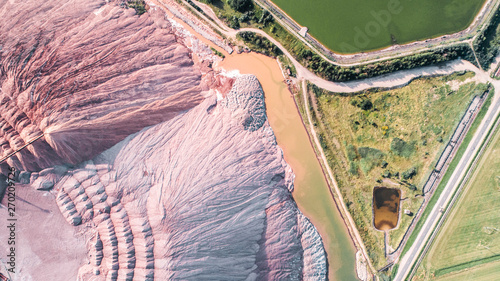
311 190
350 26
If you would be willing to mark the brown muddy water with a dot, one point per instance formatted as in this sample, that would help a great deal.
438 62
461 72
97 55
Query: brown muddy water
311 193
386 207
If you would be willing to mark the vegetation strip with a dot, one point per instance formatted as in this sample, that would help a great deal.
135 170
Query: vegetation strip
449 204
449 172
462 266
369 127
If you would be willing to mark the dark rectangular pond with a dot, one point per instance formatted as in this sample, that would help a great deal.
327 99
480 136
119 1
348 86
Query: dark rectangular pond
386 203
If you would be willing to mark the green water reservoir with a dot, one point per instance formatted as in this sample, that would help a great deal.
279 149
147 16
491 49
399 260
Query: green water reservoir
351 26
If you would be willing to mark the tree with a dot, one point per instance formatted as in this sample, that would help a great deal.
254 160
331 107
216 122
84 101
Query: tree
240 5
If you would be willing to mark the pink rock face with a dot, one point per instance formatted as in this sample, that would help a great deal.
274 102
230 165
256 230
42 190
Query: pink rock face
86 74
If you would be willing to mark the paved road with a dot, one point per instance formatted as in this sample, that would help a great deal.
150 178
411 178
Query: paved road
411 257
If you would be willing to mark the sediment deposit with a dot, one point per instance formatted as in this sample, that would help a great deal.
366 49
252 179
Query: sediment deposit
170 170
86 74
204 196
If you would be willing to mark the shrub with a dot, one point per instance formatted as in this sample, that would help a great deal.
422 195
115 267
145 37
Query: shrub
240 5
366 104
351 152
409 174
487 43
353 168
138 5
401 148
234 23
370 153
259 44
366 165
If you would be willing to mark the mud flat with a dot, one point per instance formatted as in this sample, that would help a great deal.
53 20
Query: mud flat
311 191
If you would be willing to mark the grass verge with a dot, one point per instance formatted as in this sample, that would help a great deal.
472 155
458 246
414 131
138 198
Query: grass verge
449 172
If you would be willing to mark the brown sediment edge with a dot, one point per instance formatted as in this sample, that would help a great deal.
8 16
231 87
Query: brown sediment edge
339 200
361 254
352 233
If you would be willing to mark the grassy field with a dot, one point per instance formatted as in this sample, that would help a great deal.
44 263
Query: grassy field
388 138
469 243
359 25
484 272
449 172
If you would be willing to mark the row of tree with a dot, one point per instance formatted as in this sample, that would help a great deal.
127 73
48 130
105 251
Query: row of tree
487 44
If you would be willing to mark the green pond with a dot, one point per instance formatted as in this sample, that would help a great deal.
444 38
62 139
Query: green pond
350 26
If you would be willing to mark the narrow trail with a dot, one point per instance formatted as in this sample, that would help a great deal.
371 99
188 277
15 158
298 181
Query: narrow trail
347 60
388 81
338 198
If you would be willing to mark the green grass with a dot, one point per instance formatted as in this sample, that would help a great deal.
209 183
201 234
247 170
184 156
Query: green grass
359 25
485 272
259 44
139 6
374 138
470 238
258 18
217 53
449 172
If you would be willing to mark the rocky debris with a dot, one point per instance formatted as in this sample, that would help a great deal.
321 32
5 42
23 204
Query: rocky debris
24 177
200 197
46 178
33 177
86 74
3 186
361 267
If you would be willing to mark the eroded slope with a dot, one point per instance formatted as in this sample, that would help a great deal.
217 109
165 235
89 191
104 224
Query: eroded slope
204 196
86 74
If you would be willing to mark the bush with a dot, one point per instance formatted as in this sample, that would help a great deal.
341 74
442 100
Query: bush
234 23
401 148
240 5
353 168
266 18
370 157
487 43
259 44
366 104
139 6
370 153
351 152
409 174
366 165
363 102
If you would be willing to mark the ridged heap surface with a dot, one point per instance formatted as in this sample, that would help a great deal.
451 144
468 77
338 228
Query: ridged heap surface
204 196
86 74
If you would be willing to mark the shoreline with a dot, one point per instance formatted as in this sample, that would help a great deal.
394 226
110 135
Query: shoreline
384 53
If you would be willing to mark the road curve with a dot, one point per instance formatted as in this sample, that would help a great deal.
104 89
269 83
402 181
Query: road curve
391 80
